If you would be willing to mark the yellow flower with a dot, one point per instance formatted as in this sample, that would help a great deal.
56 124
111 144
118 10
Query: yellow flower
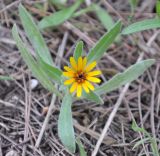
80 75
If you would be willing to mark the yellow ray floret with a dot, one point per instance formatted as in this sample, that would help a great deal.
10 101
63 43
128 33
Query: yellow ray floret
73 87
79 90
81 75
68 74
69 81
93 79
89 85
80 64
84 62
94 73
73 63
68 69
90 66
85 87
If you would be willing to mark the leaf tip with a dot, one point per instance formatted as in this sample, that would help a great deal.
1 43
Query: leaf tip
150 61
20 6
153 61
14 27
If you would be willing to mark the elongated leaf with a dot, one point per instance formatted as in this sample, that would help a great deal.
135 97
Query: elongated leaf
136 128
59 2
65 124
81 148
53 72
142 25
104 17
133 4
34 35
154 146
101 46
82 11
78 50
148 138
158 7
59 17
36 70
5 77
141 142
127 76
92 96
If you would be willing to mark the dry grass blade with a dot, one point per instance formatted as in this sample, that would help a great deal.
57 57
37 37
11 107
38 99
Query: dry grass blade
106 127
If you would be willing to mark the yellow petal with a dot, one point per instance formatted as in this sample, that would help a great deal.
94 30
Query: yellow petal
94 79
84 62
91 66
89 85
68 74
67 68
73 87
73 63
80 64
94 73
79 90
69 81
85 87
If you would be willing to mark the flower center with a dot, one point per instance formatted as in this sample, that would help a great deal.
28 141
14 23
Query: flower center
80 77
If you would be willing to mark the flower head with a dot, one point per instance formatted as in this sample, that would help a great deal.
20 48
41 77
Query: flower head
81 75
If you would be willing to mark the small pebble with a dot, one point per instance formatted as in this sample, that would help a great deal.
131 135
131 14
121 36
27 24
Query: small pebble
33 83
1 71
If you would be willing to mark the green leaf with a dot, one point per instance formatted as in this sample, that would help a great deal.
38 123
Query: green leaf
78 50
148 138
136 128
102 45
92 96
81 148
57 4
158 7
60 2
59 17
132 73
5 77
142 25
154 146
65 124
34 35
82 11
32 64
140 142
104 17
53 72
133 4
